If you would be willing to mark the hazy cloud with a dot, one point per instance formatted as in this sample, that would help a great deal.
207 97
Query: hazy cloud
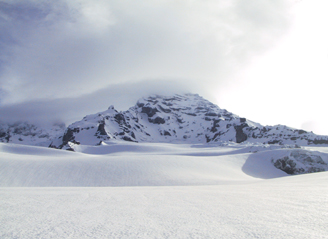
52 51
71 109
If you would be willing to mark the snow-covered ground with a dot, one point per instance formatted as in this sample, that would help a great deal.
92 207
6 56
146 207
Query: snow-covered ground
130 190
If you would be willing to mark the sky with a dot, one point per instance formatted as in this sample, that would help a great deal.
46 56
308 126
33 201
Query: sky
263 60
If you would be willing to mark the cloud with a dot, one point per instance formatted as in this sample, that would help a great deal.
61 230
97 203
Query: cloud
57 54
317 126
71 109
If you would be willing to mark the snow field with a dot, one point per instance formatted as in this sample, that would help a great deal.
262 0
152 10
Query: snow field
127 164
292 207
131 190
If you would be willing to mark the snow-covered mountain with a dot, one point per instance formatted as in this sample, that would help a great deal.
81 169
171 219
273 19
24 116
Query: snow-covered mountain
29 134
123 189
178 119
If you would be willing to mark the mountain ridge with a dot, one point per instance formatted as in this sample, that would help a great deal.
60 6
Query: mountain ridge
177 118
187 118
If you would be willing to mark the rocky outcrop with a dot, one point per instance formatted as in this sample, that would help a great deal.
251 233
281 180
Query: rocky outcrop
240 135
300 162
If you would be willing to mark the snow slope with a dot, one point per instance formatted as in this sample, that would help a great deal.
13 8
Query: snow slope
127 164
158 191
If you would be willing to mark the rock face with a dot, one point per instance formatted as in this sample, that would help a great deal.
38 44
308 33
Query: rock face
178 119
300 162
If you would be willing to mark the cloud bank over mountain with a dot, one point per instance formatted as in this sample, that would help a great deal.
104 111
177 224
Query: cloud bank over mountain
57 54
71 48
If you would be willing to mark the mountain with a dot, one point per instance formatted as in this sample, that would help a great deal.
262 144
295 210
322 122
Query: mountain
178 119
29 134
185 118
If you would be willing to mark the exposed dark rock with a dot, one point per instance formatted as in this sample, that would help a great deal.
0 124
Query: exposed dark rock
211 114
274 142
171 99
320 141
164 110
315 170
7 137
208 138
140 104
2 134
167 133
216 135
179 120
119 118
126 138
153 100
191 114
69 135
215 125
167 104
157 120
52 146
300 131
213 129
301 161
242 120
287 165
101 129
149 111
240 135
216 122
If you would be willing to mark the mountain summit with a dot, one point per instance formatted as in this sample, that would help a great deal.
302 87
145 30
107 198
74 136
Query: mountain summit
185 118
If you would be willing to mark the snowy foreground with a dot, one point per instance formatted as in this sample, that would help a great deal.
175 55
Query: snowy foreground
129 190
